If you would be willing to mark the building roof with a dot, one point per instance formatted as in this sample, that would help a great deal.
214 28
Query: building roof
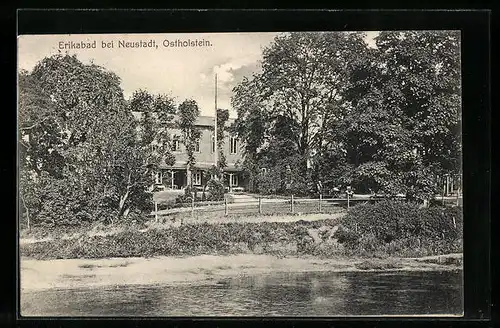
201 121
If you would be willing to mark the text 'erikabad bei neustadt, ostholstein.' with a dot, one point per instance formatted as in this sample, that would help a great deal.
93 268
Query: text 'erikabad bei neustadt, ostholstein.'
124 44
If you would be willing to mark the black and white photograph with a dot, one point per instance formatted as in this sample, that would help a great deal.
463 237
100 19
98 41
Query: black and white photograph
241 174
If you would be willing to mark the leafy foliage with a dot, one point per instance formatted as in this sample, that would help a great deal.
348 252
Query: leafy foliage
285 177
390 226
215 189
188 113
190 194
385 119
156 116
222 118
227 238
80 156
402 127
286 110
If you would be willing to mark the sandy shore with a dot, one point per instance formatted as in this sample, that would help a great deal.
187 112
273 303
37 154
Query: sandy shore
75 273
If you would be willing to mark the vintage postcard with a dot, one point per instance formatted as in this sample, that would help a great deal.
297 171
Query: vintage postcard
293 174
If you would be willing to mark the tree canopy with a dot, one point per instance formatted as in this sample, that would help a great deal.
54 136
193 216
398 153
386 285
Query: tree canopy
188 113
81 158
383 119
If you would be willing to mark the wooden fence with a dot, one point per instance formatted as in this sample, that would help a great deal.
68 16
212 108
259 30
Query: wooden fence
282 205
262 205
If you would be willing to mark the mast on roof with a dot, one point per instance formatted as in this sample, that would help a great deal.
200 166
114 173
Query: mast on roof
215 124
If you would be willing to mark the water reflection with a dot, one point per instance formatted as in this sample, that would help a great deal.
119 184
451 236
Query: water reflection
277 294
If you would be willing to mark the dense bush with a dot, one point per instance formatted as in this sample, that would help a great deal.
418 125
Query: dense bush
81 156
214 192
189 194
284 176
379 230
189 239
215 189
65 202
396 226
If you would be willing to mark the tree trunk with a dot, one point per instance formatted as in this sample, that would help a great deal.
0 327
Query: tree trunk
27 211
125 213
123 199
188 176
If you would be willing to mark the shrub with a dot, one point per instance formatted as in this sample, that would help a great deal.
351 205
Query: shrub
215 190
400 227
386 219
69 202
189 192
348 237
369 244
268 183
64 203
187 239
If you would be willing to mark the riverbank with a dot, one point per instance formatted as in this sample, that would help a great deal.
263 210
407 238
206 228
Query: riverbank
203 269
382 230
43 234
320 238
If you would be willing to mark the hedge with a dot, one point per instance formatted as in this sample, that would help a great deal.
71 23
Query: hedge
398 227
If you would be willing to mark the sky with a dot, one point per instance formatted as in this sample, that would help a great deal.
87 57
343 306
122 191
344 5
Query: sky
183 72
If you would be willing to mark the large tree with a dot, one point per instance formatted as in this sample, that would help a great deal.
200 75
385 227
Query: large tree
79 155
385 118
38 137
156 117
38 129
222 129
250 125
284 111
188 113
402 128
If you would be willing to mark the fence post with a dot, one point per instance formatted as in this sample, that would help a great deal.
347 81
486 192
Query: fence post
348 205
320 199
444 191
225 206
260 205
192 205
156 212
291 204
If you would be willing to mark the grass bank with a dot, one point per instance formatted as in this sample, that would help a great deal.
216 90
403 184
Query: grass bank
189 239
49 233
294 236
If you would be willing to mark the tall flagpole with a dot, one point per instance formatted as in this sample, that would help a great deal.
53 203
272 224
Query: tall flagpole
215 125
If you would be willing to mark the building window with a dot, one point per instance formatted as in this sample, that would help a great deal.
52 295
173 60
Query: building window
213 144
233 147
197 178
234 180
176 144
158 177
197 146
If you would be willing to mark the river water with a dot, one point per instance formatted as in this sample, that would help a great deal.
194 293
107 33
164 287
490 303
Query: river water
276 294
